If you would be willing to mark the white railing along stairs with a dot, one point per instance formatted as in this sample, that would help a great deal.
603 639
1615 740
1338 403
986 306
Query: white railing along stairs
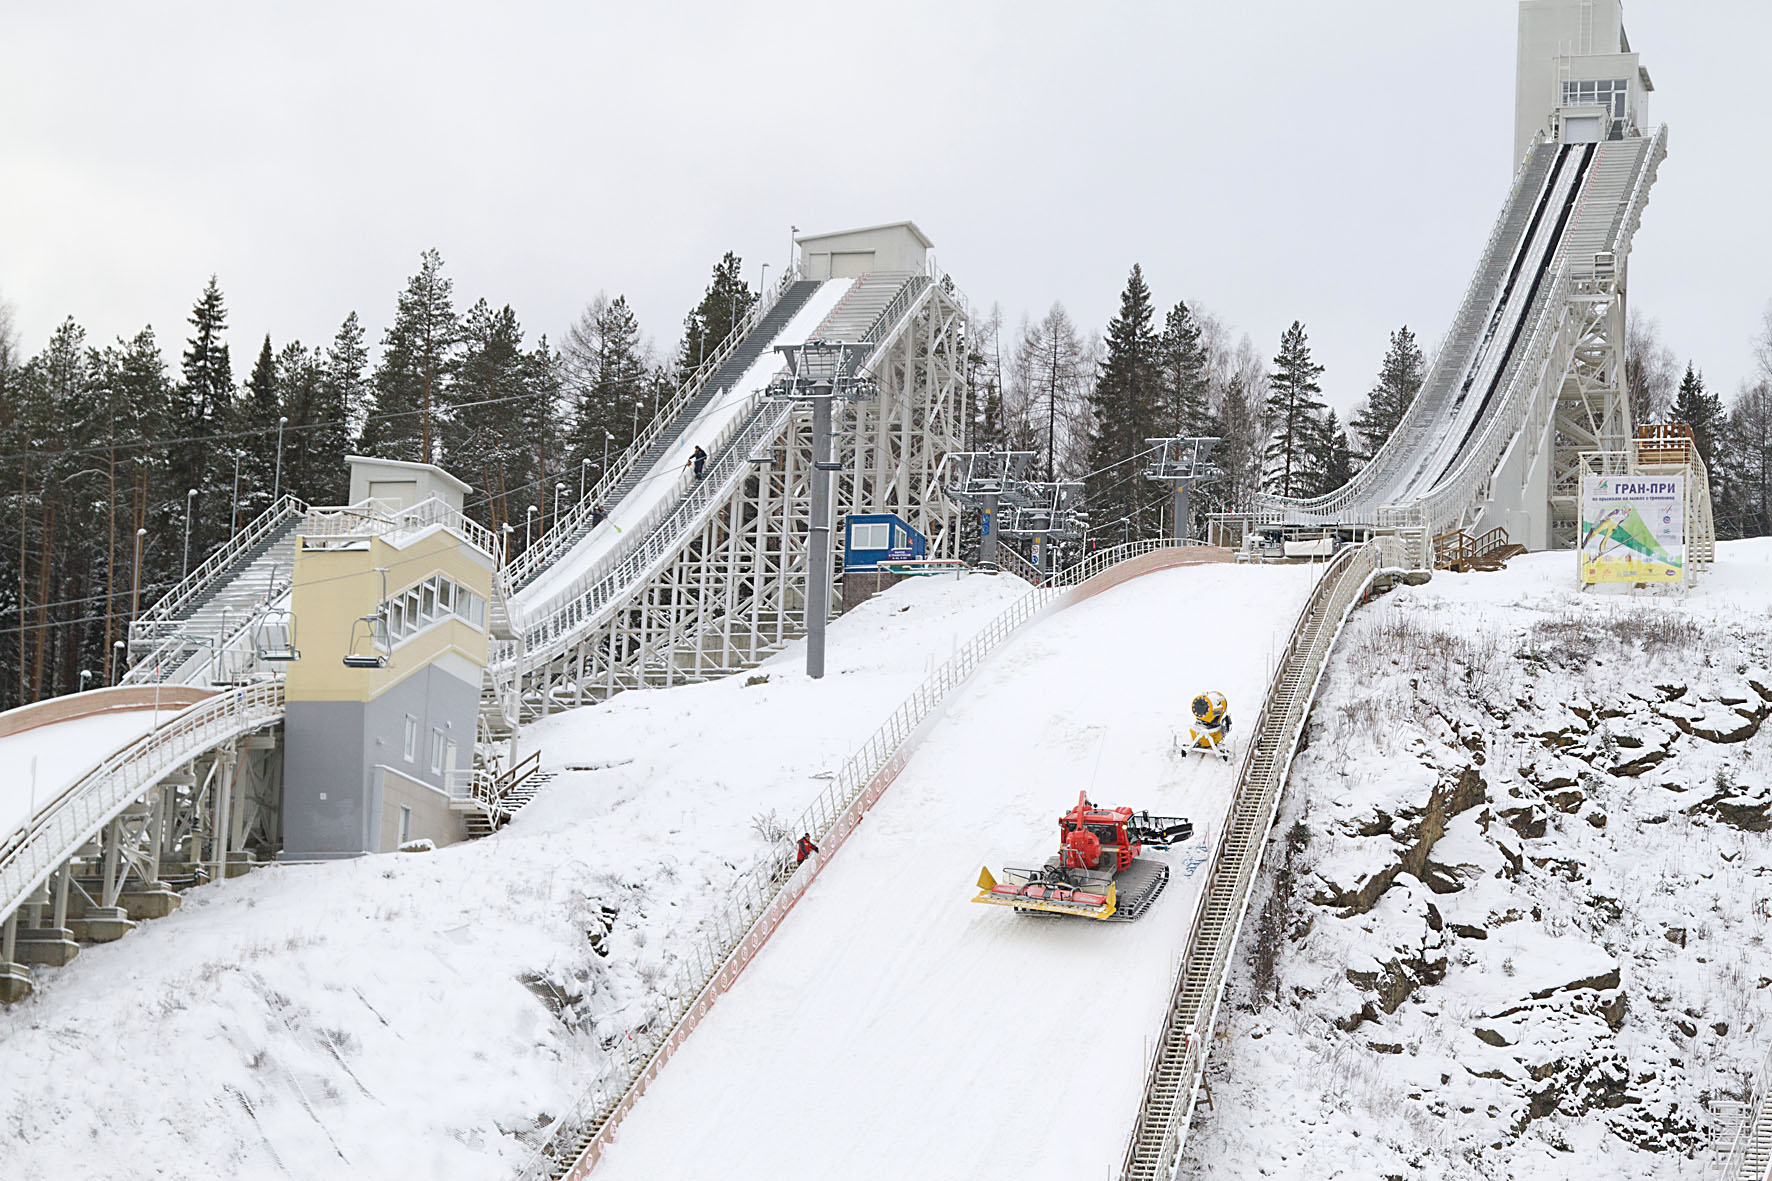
1750 1149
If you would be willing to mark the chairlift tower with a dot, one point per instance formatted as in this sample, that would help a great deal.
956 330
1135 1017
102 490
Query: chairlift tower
821 373
1052 513
1183 462
986 481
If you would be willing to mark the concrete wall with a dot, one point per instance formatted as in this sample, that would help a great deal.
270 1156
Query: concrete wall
431 817
899 246
333 805
1551 29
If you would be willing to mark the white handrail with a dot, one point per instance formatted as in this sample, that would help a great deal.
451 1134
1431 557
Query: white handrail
46 840
568 529
160 613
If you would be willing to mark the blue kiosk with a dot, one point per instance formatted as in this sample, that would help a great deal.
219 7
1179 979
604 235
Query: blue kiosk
878 550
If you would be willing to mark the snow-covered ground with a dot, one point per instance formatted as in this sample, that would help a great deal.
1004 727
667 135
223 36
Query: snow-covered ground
1513 922
894 1029
667 475
371 1018
44 762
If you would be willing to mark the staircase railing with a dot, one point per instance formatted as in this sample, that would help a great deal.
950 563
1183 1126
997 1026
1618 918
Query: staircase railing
1177 1063
1750 1149
568 529
761 897
74 817
159 617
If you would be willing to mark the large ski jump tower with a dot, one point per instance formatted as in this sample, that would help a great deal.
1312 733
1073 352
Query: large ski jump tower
1530 373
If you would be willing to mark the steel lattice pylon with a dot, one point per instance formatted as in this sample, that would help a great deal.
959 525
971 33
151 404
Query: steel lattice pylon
730 591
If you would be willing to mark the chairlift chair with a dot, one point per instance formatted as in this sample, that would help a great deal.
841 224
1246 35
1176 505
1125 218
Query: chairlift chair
374 629
273 638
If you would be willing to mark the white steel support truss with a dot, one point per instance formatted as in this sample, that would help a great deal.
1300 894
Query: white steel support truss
1592 408
733 591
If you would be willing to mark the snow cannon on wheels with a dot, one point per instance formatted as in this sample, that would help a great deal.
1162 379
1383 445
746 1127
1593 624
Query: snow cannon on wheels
1096 873
1211 731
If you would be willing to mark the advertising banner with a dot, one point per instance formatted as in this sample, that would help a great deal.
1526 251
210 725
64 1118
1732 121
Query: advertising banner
1633 528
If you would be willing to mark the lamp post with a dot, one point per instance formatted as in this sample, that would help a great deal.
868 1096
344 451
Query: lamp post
277 479
85 679
638 406
190 500
506 528
584 466
528 519
135 592
763 278
118 649
234 507
607 439
559 491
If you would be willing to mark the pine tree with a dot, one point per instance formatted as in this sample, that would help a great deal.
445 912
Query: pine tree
1295 454
605 365
485 435
1399 379
1186 409
1126 406
411 381
314 442
727 301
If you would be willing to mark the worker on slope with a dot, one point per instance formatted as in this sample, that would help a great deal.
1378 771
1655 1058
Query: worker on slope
699 460
597 514
804 848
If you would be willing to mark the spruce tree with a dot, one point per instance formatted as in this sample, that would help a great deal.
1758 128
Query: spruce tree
1399 379
1698 409
604 364
1338 459
255 435
727 301
1239 450
1296 454
346 377
411 380
1186 409
203 410
314 441
1126 407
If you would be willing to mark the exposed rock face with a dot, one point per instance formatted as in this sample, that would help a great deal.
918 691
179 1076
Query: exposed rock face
1535 894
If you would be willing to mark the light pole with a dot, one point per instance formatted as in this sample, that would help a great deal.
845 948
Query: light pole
277 479
135 592
528 519
234 507
507 527
119 649
559 491
607 439
793 233
190 500
85 679
639 406
763 278
584 466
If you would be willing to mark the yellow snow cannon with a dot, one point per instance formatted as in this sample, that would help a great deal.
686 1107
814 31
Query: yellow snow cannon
1210 733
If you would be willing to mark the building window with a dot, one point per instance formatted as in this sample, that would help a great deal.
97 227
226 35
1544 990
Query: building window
436 751
411 738
1613 94
405 824
872 535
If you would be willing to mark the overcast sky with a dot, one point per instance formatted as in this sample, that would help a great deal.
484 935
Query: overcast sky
1340 164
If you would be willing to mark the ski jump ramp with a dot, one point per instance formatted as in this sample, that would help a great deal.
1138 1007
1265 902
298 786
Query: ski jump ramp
1530 374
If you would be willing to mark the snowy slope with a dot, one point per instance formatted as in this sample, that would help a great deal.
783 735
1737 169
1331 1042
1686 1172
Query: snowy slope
42 763
1522 927
667 475
894 1029
369 1019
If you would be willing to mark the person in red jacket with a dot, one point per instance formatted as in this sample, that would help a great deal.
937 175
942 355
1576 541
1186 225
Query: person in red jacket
804 848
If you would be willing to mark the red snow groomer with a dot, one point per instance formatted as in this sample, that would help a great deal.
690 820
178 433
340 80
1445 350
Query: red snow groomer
1096 873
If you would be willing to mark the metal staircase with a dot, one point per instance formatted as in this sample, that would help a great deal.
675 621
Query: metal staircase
1750 1145
742 348
1177 1066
